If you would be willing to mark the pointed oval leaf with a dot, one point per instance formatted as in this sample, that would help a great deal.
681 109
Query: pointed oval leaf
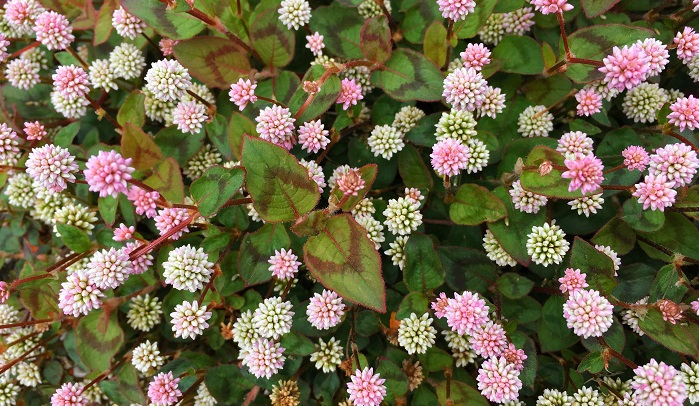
375 38
215 187
680 337
271 39
154 13
423 269
140 147
133 110
435 44
238 127
519 55
98 337
409 75
474 205
469 26
256 249
217 62
167 179
73 237
598 267
340 27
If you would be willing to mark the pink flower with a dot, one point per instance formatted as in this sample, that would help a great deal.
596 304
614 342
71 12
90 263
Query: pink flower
71 82
141 263
69 394
366 388
284 264
4 291
166 45
440 305
34 131
171 217
499 381
264 358
22 13
189 319
107 173
350 182
670 311
488 340
635 157
678 163
464 89
695 306
4 43
53 30
658 384
108 269
123 233
465 313
687 44
52 167
313 136
574 142
163 390
588 313
79 294
449 157
514 356
8 141
275 124
127 25
589 102
143 200
655 192
325 310
626 68
243 93
475 56
573 281
685 113
659 56
189 116
526 201
585 172
315 43
350 93
551 6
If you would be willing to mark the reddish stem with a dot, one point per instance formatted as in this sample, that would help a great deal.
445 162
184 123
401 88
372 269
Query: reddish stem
23 50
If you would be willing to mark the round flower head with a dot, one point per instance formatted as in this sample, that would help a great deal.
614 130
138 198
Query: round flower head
79 294
315 43
8 314
328 355
498 380
643 102
659 56
535 121
449 157
189 319
586 396
587 204
101 75
127 61
244 332
407 118
690 377
678 163
20 14
69 394
369 8
166 45
163 390
518 22
366 388
635 157
631 317
464 89
572 281
493 102
439 305
275 124
588 313
670 310
53 30
8 141
315 172
515 356
456 10
313 136
589 102
73 109
416 334
479 155
28 374
373 227
284 264
655 192
325 310
242 93
146 357
525 201
22 73
107 173
108 269
685 113
547 244
402 216
4 43
495 252
475 56
168 80
626 68
71 82
127 25
140 263
74 214
574 142
551 6
397 251
385 140
187 268
34 131
294 13
494 29
488 340
465 313
658 384
585 172
350 182
144 201
687 43
264 358
350 93
20 191
144 312
189 116
52 167
460 348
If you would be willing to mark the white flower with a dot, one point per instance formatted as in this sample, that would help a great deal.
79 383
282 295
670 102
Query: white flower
144 312
187 268
295 13
146 357
495 252
385 140
189 319
416 334
373 227
327 355
547 244
273 317
402 216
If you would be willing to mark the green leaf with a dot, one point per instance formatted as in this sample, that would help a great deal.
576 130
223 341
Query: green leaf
435 359
103 25
322 101
98 337
642 220
669 283
255 250
514 286
368 174
474 205
108 206
461 394
340 27
593 363
598 267
74 238
344 259
409 75
423 269
126 389
296 343
167 179
593 8
413 170
413 302
519 54
140 147
469 26
551 184
271 39
396 382
423 133
237 129
175 144
217 131
678 235
554 335
548 91
227 384
65 135
375 38
133 110
418 16
177 26
279 186
680 337
217 62
617 235
215 187
596 42
467 269
435 44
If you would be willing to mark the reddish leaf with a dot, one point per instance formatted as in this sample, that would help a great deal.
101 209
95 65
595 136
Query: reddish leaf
375 39
103 25
140 147
217 62
167 179
256 249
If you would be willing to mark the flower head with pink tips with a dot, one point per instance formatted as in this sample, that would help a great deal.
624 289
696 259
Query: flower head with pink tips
585 173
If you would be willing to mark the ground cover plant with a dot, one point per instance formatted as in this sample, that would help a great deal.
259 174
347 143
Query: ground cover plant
349 202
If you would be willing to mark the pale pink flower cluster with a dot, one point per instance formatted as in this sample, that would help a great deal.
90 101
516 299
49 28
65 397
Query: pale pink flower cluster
677 162
71 82
524 200
189 319
169 218
163 390
456 9
585 172
687 43
264 358
108 269
350 182
670 310
69 394
465 313
325 310
475 56
685 113
659 56
589 102
189 116
488 340
143 200
515 356
276 125
572 281
588 313
464 89
141 263
655 192
79 294
449 157
658 384
108 173
366 388
315 43
313 136
627 67
551 6
4 43
574 142
350 93
695 306
53 30
124 232
166 45
243 92
499 380
127 25
4 291
635 157
34 131
52 167
284 264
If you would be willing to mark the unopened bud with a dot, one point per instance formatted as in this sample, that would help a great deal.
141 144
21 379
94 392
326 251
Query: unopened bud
545 168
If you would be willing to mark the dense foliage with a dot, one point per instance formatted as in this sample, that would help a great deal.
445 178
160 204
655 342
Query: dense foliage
349 202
